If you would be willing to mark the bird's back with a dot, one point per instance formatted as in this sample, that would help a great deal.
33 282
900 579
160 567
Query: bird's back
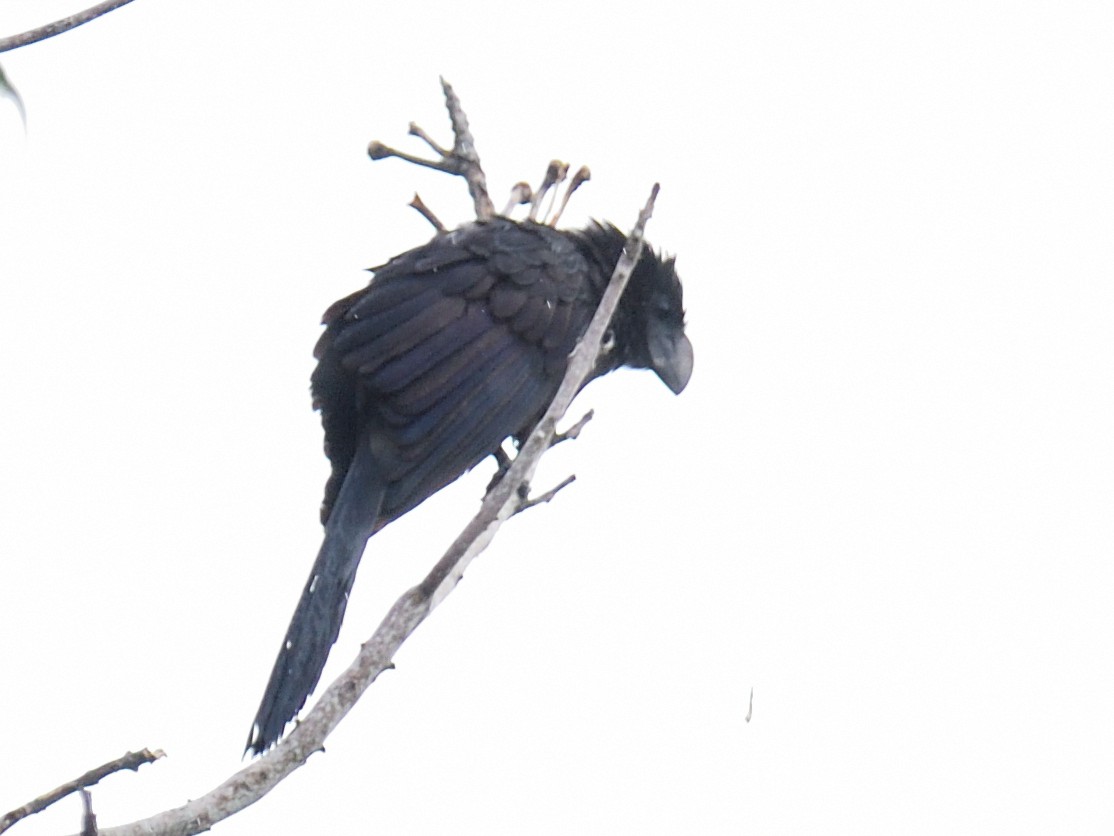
452 347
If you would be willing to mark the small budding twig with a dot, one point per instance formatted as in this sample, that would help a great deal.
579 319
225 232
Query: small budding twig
582 176
521 194
570 434
554 174
573 432
545 497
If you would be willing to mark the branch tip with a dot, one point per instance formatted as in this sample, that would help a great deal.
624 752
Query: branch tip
521 194
527 503
573 432
427 213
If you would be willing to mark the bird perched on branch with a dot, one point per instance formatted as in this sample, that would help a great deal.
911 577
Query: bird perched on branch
451 349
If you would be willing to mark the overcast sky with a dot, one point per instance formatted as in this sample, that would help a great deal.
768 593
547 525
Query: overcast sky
883 503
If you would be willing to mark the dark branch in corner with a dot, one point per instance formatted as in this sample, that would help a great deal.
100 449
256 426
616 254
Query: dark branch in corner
59 26
131 760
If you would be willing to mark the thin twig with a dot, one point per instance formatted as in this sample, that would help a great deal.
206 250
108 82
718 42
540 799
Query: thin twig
582 176
378 151
59 26
416 130
554 173
573 432
427 213
131 760
257 779
547 496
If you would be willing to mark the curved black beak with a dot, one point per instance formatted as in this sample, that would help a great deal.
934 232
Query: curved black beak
670 355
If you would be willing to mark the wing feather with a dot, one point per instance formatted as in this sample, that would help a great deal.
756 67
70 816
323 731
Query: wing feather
400 339
440 354
451 349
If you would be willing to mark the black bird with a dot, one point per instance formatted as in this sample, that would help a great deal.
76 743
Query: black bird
452 348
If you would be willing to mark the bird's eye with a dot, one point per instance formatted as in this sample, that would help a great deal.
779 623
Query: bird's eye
608 340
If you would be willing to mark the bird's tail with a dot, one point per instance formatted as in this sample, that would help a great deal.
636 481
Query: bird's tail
316 622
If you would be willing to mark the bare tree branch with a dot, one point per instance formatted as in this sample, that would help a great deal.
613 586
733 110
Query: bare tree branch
60 26
464 149
463 160
130 760
501 502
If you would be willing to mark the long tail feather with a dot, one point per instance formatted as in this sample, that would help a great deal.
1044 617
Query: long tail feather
316 622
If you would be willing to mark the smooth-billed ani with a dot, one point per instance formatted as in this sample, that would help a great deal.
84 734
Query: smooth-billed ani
452 348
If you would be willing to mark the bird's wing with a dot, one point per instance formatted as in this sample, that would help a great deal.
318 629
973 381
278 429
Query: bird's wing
452 348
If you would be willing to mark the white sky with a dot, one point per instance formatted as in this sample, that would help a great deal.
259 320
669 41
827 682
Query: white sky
884 502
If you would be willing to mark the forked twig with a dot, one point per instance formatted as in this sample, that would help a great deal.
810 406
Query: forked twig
545 497
462 160
130 760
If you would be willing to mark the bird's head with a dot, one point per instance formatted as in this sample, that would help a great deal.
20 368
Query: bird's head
648 330
655 295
